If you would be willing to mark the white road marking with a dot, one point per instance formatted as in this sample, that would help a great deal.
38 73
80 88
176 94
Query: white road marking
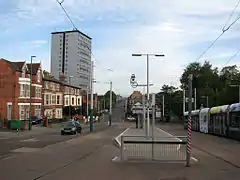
194 159
114 159
119 143
6 158
171 136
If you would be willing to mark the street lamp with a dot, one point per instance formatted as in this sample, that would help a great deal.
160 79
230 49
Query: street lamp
69 107
110 105
206 97
156 55
30 107
238 91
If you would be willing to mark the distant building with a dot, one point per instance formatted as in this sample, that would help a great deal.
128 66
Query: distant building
135 97
71 55
15 90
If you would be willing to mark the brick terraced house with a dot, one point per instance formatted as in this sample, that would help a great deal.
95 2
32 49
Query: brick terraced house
58 94
15 90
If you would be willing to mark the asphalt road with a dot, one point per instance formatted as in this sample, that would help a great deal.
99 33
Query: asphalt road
49 136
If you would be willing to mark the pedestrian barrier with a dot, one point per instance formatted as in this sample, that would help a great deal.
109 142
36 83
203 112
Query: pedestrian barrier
158 148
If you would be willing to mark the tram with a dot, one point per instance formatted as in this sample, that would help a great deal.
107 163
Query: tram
221 120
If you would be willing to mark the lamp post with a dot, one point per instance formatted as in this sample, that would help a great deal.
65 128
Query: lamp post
110 104
30 107
69 92
238 91
157 55
91 89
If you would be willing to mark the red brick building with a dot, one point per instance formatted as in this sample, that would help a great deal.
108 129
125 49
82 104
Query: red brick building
15 90
58 94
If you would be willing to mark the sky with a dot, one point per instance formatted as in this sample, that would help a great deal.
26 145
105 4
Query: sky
179 29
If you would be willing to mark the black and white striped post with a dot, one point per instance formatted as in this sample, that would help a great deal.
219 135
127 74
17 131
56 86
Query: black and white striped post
189 135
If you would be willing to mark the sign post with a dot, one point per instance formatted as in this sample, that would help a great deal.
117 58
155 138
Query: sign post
189 135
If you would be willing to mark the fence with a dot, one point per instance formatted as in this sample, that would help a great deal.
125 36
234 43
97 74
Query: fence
160 148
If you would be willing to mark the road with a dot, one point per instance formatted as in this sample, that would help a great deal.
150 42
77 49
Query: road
91 156
42 137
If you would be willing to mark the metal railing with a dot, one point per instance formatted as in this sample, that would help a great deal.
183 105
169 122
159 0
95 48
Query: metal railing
160 148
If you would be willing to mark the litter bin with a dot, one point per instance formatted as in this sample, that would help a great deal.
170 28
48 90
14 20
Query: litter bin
15 124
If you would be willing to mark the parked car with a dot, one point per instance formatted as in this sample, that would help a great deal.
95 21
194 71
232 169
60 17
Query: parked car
36 120
71 127
131 118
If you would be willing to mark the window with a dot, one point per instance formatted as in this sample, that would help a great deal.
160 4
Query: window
38 92
58 99
27 112
47 99
78 101
60 65
53 99
27 90
21 112
66 101
59 113
22 90
37 110
72 101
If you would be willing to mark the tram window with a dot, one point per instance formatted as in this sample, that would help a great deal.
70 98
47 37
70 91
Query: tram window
235 121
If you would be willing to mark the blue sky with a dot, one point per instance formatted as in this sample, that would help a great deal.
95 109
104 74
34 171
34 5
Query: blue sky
179 29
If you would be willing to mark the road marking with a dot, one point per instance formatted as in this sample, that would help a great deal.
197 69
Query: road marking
171 136
119 143
6 158
114 159
194 159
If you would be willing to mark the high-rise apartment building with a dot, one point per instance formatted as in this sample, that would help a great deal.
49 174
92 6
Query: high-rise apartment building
71 56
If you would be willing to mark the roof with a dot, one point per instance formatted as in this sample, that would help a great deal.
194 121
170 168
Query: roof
219 109
235 107
52 79
72 31
16 66
35 67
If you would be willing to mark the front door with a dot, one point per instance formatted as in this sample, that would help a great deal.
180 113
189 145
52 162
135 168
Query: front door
9 111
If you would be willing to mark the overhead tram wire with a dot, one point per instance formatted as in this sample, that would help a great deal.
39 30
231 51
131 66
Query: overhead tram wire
224 29
75 28
230 16
68 16
233 56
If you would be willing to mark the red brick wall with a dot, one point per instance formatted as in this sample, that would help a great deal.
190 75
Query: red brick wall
8 89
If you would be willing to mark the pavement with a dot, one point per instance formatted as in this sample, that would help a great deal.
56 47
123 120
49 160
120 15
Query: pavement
227 150
163 151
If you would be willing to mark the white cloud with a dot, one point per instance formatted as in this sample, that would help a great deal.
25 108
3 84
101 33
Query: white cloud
175 28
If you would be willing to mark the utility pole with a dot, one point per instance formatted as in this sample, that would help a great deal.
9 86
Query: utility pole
148 101
163 106
195 98
87 102
110 105
91 111
30 107
69 92
189 135
184 100
144 109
